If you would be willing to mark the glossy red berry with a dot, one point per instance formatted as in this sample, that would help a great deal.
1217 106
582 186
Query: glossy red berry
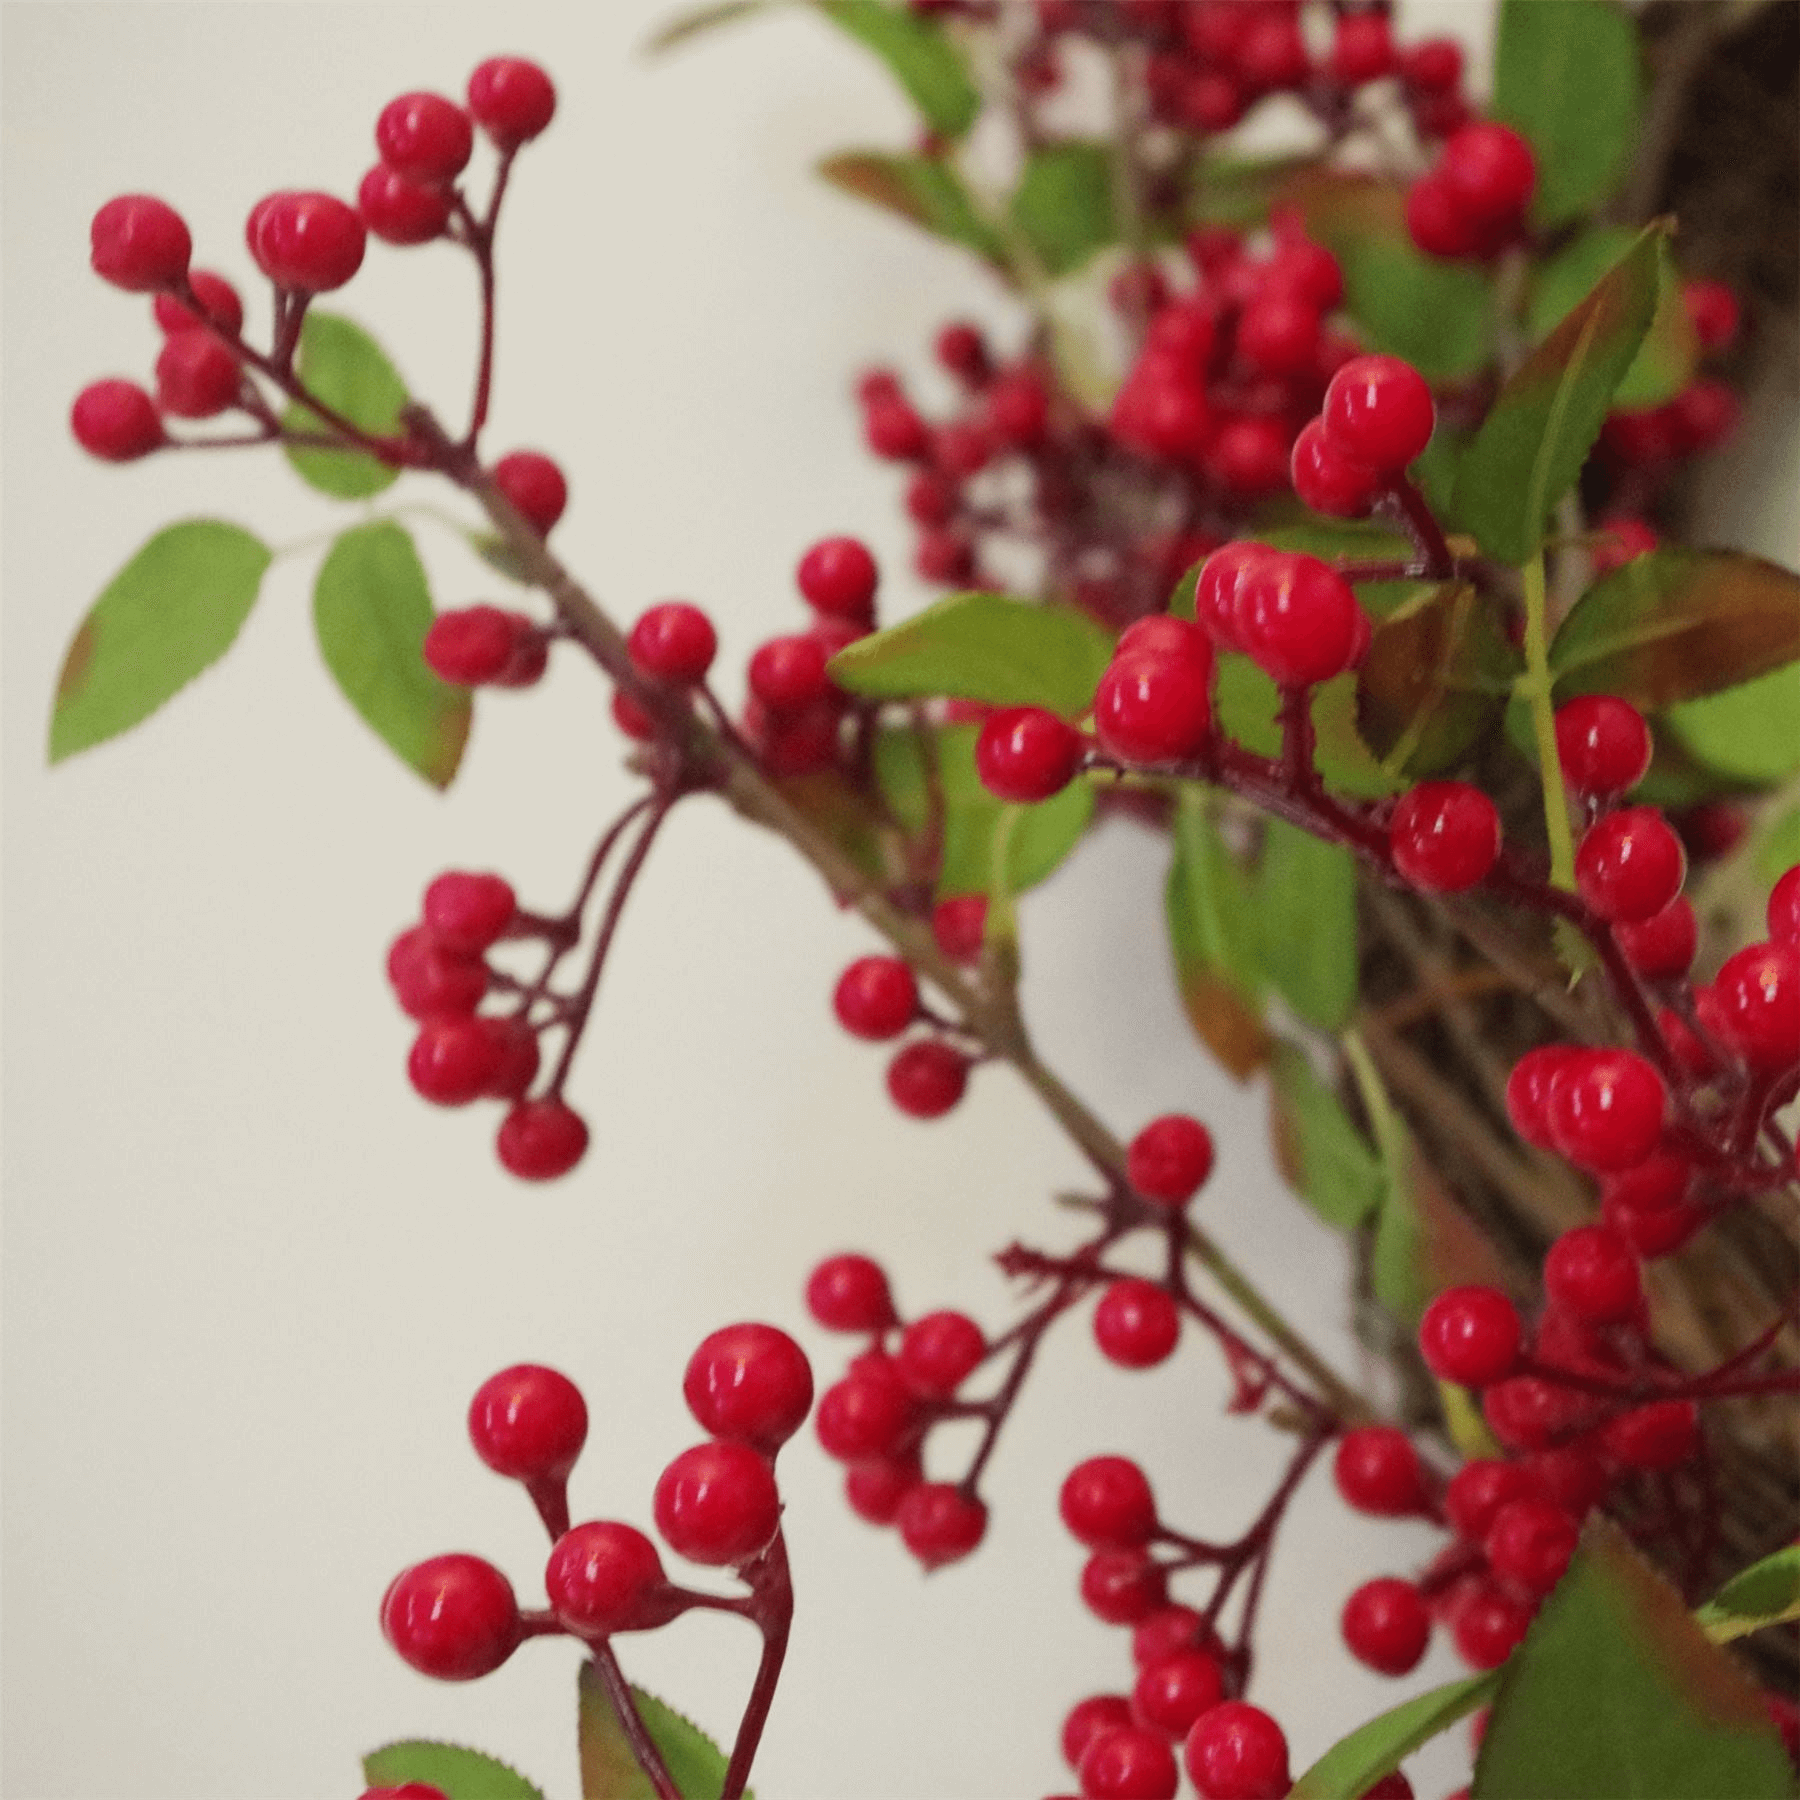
1248 455
1433 65
1630 864
541 1139
1152 709
1378 1471
424 137
1487 1626
787 674
1605 1110
1470 1335
867 1415
1169 1159
1362 49
599 1577
1107 1504
1161 635
1172 1691
959 924
1129 1763
1659 1436
1528 1090
1663 945
428 979
1218 588
1278 333
1590 1271
1379 412
1123 1587
1087 1719
219 305
1445 836
939 1523
453 1060
939 1351
529 1423
875 1489
1603 745
1490 169
1326 479
140 243
312 242
452 1617
1756 999
473 646
197 377
1526 1413
1237 1752
1386 1625
1529 1543
926 1079
673 642
850 1293
1784 908
1438 222
751 1382
467 912
534 486
1136 1323
1298 619
1475 1494
116 421
1648 1206
516 1057
513 100
1025 754
837 577
399 211
1167 1631
717 1503
876 998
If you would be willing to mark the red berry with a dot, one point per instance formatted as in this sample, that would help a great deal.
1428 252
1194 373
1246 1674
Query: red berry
894 430
1123 1587
116 421
599 1577
1272 54
541 1139
930 499
1163 636
837 577
197 377
1478 1490
1395 1786
1168 1630
1487 1626
1703 415
453 1617
1603 745
516 1057
453 1060
959 924
529 1423
1659 1436
867 1415
1784 908
1362 49
1248 456
1623 540
1136 1323
1757 1000
1490 169
1169 1159
407 1790
717 1503
140 244
468 912
219 305
429 979
850 1293
962 350
1591 1272
1173 1691
1528 1090
673 642
875 1489
1437 221
1605 1110
877 997
1237 1752
1326 479
1379 412
1525 1413
787 674
1088 1719
926 1079
312 242
1530 1542
1017 408
1107 1504
512 100
474 645
1386 1625
1661 946
1152 709
939 1351
1648 1207
1434 65
400 211
944 556
1378 1471
1470 1335
1025 754
424 137
750 1382
1445 836
1298 619
939 1523
1278 333
635 721
1218 588
534 486
1630 864
1713 309
1129 1763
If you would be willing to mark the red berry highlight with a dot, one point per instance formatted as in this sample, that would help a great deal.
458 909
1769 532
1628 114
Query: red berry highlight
1237 1752
1025 754
1445 836
424 137
1470 1335
1136 1323
939 1351
1379 412
1107 1504
1630 864
140 243
599 1577
876 998
717 1503
1378 1471
673 642
452 1617
1603 745
1169 1159
512 100
750 1382
529 1423
1386 1625
850 1293
311 242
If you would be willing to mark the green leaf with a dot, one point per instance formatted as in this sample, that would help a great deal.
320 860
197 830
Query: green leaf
1778 850
1566 77
1213 932
1398 1270
172 611
697 19
1616 1691
347 369
985 647
1064 204
1543 423
1767 1593
1750 732
371 610
1355 1763
1322 1154
1672 625
1437 673
921 58
921 190
1665 364
1306 896
458 1773
608 1769
1237 190
1247 701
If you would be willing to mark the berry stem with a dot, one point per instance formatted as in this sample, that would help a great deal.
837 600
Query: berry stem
1534 686
637 1735
480 238
773 1610
1423 528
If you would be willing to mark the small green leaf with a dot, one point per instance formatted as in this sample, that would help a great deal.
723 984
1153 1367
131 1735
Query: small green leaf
499 555
1566 76
608 1769
371 610
1778 849
172 611
921 190
1355 1763
348 370
1543 423
985 647
1750 732
1322 1154
698 19
1672 625
458 1773
921 58
1237 190
1247 702
1213 932
1064 204
1616 1691
1767 1593
1306 894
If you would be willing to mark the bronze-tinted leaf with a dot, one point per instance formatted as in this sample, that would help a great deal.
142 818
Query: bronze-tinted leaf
920 189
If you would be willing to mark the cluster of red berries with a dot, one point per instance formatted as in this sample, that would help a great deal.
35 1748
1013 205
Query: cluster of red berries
1471 203
456 1617
877 999
1377 417
439 972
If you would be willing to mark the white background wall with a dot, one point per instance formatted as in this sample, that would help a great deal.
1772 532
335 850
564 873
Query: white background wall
250 1282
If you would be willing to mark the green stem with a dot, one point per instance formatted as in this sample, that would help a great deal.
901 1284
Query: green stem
1534 686
1390 1132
